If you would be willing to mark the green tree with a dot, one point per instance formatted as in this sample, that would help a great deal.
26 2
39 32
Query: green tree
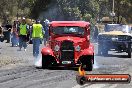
89 10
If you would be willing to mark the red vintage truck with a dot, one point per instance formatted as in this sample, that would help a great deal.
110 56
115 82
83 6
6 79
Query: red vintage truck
68 45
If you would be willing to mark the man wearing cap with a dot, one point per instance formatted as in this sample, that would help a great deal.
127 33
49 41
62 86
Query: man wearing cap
37 33
23 31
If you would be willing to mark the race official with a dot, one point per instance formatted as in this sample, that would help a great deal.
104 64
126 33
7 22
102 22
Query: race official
23 31
37 33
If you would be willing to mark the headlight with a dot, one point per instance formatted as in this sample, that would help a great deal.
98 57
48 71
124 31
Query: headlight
101 37
114 39
124 38
57 48
78 48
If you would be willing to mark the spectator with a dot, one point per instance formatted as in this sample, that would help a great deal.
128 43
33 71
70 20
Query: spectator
14 34
46 29
23 31
8 33
1 34
96 32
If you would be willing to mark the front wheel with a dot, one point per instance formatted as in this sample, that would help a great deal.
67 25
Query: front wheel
44 63
48 61
81 80
88 66
105 52
129 50
99 48
105 49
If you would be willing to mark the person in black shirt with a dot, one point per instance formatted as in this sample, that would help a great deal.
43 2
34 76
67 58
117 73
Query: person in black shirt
1 34
8 33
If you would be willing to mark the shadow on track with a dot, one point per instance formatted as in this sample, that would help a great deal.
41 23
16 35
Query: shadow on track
61 68
111 55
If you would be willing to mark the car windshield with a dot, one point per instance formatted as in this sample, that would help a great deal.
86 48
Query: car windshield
123 28
68 30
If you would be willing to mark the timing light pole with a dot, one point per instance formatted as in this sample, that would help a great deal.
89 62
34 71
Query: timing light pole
113 6
113 13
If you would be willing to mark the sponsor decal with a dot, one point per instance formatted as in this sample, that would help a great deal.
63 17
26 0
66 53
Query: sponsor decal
83 78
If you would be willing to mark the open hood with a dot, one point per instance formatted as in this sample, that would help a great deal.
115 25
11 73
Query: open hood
115 33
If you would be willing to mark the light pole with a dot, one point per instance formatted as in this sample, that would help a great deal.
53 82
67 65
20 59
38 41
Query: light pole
113 6
17 10
113 12
99 15
7 15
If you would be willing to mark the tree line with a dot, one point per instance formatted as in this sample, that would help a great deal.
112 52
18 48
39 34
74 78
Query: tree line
89 10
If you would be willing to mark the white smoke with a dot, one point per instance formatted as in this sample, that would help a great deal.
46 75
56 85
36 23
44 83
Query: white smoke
38 61
52 13
96 65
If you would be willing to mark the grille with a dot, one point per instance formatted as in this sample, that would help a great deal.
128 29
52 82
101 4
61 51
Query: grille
107 37
67 51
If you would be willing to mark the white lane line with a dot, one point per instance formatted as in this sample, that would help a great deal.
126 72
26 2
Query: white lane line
113 86
90 86
77 86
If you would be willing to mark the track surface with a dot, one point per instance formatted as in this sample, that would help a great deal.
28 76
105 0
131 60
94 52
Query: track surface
17 70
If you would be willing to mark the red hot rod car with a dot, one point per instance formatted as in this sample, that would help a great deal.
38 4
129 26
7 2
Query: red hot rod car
69 44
